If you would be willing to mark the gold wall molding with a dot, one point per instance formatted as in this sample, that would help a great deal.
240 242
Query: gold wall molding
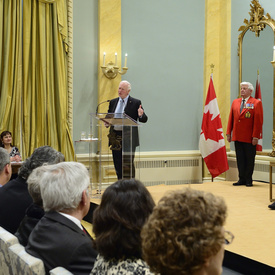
109 39
70 65
258 20
217 51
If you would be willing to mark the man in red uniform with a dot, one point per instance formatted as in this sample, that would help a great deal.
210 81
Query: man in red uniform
245 124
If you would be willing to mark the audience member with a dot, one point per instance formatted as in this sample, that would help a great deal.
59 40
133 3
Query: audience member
185 234
14 196
117 222
59 238
6 142
5 167
35 211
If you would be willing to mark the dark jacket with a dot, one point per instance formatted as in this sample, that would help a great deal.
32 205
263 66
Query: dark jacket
131 109
33 215
58 241
14 200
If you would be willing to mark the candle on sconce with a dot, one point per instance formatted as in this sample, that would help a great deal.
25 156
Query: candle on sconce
273 53
125 62
104 58
115 59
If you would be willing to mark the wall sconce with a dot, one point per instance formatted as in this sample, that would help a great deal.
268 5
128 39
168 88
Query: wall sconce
111 69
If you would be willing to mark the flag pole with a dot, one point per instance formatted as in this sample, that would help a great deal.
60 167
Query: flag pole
212 69
211 75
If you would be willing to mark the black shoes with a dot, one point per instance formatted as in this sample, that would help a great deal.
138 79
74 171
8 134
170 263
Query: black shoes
238 183
247 184
272 206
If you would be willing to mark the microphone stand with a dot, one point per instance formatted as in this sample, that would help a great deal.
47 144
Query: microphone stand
100 104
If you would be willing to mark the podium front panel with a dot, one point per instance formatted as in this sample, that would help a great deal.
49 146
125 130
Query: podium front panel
118 136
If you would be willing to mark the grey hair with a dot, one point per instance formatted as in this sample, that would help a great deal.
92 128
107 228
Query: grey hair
128 83
4 158
62 185
249 85
61 157
41 155
34 184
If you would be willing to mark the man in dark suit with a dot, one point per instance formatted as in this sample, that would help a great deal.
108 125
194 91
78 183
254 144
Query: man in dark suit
14 195
59 239
245 124
132 107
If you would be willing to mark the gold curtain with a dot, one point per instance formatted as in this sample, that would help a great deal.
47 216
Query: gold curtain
45 93
11 68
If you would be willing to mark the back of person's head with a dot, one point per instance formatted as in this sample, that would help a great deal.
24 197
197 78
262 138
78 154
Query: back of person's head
62 186
184 230
33 182
117 221
41 155
4 158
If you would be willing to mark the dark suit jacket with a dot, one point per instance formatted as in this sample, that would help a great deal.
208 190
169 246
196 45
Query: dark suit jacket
14 200
131 109
34 213
59 242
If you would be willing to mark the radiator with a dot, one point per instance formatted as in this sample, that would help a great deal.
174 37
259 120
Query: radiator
169 171
261 169
152 168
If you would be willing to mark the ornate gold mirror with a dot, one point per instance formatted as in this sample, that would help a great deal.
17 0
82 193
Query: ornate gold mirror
256 56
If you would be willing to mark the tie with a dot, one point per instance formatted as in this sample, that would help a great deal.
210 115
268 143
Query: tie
242 105
120 108
118 114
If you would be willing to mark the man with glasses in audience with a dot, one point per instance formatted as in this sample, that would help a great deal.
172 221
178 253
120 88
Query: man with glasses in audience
59 238
14 195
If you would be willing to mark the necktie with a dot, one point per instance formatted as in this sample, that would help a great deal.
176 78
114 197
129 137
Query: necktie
118 114
120 108
242 105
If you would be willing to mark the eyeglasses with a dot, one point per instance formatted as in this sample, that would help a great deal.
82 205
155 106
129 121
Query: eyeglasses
228 237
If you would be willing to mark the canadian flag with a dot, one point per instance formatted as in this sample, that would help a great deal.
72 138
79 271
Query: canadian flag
258 95
212 144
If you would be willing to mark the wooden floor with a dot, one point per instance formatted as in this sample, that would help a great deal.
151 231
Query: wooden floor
249 217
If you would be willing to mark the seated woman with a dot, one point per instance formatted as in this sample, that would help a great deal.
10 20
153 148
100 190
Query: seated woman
6 142
117 222
185 234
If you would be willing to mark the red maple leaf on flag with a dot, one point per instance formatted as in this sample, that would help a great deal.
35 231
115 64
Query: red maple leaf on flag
211 126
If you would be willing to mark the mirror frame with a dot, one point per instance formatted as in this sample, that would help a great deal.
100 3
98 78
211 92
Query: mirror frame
257 23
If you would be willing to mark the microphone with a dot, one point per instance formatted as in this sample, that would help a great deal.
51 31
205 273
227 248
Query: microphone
100 104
